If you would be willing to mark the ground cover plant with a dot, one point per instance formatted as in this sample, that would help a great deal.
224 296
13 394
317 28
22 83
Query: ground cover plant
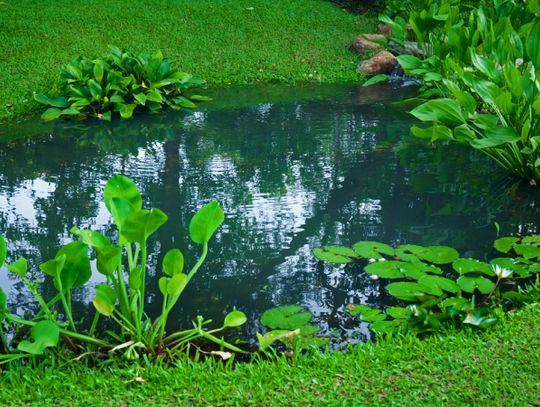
223 42
489 367
480 61
119 83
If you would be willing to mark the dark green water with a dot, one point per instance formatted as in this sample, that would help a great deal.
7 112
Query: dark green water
293 167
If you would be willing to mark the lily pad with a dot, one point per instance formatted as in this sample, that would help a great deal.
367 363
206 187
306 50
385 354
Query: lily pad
465 266
470 284
375 250
287 317
505 244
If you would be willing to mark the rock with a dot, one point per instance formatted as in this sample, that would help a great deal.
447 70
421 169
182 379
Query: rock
408 48
385 29
363 44
382 63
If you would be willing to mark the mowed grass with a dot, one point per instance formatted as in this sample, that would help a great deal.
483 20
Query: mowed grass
225 41
500 367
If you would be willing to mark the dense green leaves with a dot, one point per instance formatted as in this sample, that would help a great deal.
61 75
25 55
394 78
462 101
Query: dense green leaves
285 317
120 83
44 334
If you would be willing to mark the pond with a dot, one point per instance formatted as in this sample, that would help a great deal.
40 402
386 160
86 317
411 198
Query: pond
294 168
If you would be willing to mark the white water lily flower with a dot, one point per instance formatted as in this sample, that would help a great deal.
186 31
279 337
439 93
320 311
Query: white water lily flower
372 260
502 272
374 277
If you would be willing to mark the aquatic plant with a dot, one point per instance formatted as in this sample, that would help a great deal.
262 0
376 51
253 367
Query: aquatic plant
434 287
120 83
122 298
482 59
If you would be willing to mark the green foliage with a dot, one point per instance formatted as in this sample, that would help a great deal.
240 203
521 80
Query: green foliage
121 83
482 60
122 298
438 288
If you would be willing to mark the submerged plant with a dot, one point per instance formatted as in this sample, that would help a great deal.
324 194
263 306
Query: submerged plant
120 83
122 298
437 287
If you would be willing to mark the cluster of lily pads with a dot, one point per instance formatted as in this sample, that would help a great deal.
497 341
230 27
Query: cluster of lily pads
436 287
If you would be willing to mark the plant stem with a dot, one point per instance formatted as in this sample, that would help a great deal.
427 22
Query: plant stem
64 303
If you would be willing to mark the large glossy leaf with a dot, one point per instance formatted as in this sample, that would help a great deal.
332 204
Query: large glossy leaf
438 282
176 284
505 244
440 110
76 271
45 334
120 186
205 222
406 291
108 259
139 225
173 262
388 269
285 317
19 267
533 45
90 237
496 137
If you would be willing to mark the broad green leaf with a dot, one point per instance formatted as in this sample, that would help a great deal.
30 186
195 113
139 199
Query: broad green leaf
505 244
135 278
90 237
120 186
386 269
126 111
19 267
45 334
141 98
139 225
272 336
185 102
234 319
479 319
98 70
399 312
376 79
53 267
95 89
51 114
102 306
154 95
470 284
176 284
433 133
108 259
443 110
439 282
385 327
464 266
205 222
76 271
173 262
107 293
406 291
439 254
163 285
3 304
369 249
285 317
495 137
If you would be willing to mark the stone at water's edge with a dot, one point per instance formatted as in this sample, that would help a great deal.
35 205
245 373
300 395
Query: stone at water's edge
364 44
385 29
382 63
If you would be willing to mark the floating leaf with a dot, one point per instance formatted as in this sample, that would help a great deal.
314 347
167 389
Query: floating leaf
470 284
439 282
285 317
330 257
234 319
464 266
504 244
368 249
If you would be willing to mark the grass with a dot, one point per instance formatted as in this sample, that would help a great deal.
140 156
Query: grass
225 42
496 367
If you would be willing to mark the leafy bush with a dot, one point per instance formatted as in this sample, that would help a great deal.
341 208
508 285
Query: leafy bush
122 298
122 83
439 286
482 60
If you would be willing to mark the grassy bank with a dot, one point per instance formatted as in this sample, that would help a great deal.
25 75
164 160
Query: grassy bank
227 41
497 367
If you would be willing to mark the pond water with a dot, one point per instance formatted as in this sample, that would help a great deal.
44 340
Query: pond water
293 168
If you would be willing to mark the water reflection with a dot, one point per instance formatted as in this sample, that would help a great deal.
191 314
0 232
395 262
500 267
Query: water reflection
335 165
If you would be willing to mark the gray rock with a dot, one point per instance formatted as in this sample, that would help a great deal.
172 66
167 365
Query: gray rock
363 44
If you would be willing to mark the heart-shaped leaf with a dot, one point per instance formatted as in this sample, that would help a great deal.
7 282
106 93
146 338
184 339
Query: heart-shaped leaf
45 334
205 222
285 317
173 262
234 319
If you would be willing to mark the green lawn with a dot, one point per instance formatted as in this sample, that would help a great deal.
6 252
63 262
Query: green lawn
496 367
225 41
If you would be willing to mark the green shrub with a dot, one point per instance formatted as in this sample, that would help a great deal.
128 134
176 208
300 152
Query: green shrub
120 83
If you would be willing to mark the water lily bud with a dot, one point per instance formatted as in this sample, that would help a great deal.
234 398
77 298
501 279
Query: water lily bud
374 277
382 259
372 260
